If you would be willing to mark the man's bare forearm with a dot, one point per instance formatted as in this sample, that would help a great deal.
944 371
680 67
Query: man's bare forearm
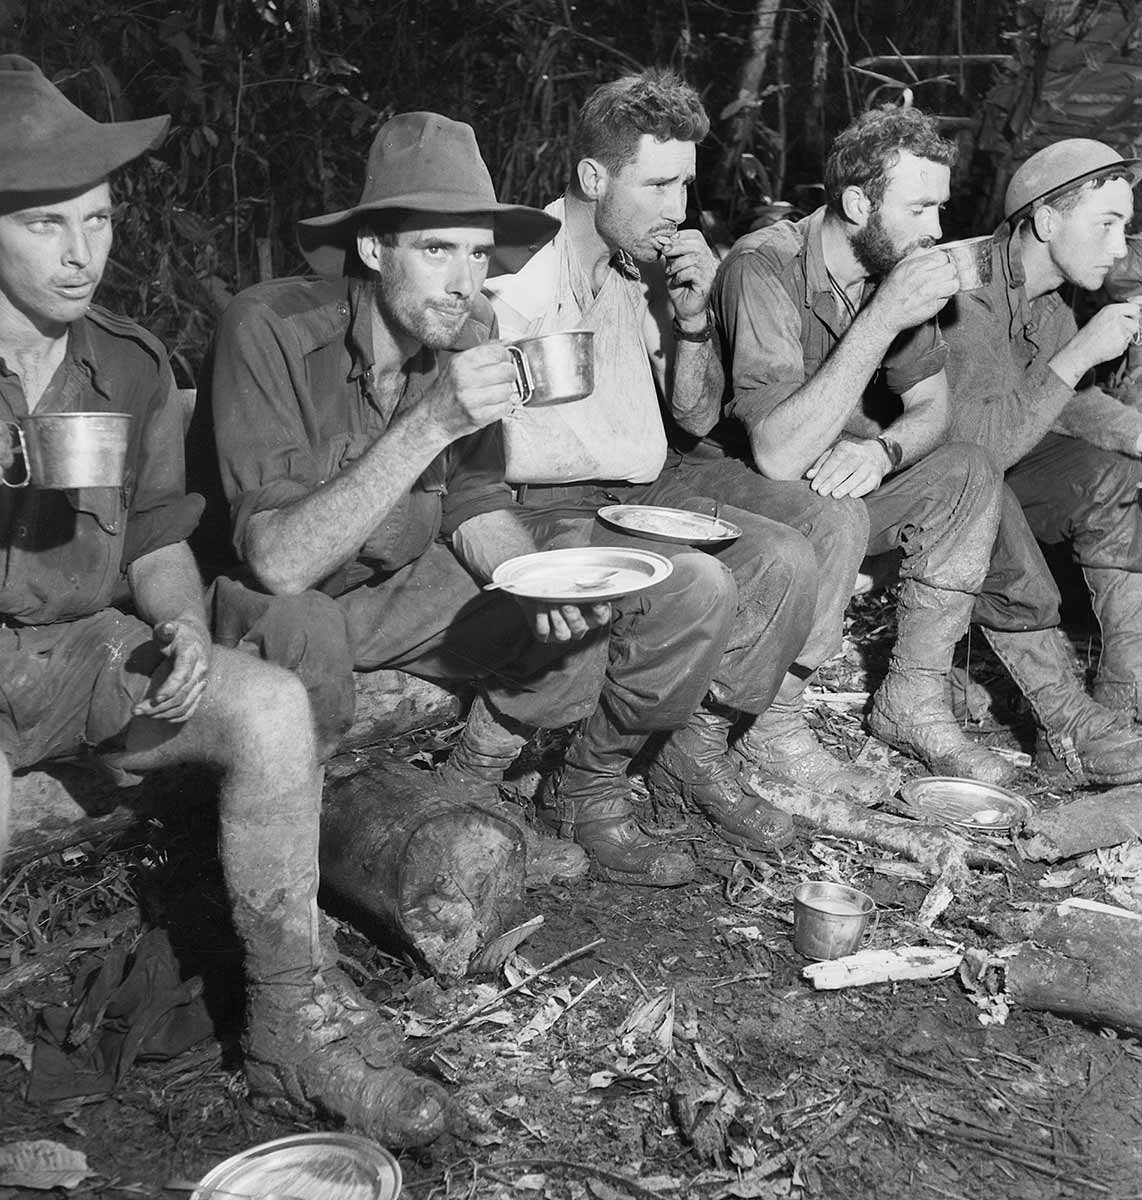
810 420
488 539
166 586
294 547
697 385
924 423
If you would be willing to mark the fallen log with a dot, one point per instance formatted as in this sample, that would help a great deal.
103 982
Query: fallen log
1081 960
932 846
1089 823
404 861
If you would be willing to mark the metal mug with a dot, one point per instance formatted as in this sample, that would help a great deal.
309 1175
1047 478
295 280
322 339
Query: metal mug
73 450
972 259
830 919
555 368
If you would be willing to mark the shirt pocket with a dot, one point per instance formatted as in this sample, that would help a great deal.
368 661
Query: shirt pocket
92 564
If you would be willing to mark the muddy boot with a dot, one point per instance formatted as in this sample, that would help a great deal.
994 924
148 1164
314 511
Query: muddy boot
475 770
694 766
489 745
312 1043
1076 734
1116 597
779 747
910 709
588 799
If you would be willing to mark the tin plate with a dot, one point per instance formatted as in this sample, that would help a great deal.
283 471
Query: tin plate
581 575
308 1166
979 806
677 525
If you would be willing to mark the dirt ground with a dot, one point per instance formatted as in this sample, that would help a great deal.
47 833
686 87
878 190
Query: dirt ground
684 1055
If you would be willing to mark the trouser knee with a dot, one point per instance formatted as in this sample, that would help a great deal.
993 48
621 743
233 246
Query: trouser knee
306 634
1018 593
666 643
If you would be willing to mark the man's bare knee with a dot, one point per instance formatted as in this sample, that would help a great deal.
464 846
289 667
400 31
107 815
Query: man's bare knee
261 707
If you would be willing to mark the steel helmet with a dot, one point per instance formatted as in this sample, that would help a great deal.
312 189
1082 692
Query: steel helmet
1059 167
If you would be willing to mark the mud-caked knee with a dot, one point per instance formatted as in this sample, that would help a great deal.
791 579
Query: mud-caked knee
267 721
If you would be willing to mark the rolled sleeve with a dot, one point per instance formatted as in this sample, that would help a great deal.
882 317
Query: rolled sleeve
475 479
265 455
916 355
161 512
760 324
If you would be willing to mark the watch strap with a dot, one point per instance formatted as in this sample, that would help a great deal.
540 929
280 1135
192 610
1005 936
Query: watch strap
893 449
703 335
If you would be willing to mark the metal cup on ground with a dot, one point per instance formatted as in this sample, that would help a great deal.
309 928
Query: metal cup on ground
830 919
72 450
972 259
555 368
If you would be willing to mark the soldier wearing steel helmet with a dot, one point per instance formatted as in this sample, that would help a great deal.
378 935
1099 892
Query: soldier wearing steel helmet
1072 455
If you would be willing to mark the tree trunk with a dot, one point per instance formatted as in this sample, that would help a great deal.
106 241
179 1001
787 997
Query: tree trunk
1088 823
932 846
1082 963
410 863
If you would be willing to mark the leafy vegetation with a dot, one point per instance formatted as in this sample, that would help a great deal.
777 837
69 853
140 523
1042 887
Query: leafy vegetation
274 103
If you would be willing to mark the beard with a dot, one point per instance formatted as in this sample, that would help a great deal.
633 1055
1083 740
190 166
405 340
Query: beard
875 250
435 325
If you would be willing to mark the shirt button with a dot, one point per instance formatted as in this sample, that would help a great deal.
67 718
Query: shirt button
342 309
22 531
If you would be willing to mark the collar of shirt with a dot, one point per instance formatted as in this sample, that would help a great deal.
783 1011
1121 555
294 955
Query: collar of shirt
820 293
1025 317
622 262
80 366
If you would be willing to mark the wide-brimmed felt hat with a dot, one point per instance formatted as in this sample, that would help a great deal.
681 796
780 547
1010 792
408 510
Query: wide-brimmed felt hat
49 145
425 163
1058 168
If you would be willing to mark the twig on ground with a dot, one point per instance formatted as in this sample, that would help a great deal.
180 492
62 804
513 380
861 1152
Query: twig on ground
581 1168
1023 1156
460 1022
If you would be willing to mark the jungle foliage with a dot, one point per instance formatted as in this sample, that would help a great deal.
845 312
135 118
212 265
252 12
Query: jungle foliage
274 103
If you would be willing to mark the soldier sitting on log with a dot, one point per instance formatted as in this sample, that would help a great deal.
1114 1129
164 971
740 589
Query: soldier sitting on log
357 425
83 675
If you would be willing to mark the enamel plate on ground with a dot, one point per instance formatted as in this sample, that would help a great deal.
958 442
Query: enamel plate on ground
581 575
669 524
308 1166
979 806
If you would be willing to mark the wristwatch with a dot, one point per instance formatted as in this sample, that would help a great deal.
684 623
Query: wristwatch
893 449
703 335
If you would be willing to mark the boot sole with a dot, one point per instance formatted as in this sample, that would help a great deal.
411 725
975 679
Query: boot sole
632 879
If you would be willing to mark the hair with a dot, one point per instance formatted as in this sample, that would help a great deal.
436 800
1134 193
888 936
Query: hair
871 146
1064 202
616 115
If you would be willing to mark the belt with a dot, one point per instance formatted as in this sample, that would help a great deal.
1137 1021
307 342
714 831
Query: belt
575 491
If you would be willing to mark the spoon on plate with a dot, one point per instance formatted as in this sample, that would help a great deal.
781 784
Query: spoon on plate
580 585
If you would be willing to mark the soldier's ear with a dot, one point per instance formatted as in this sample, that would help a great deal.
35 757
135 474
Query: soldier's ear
855 204
592 177
368 248
1044 222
